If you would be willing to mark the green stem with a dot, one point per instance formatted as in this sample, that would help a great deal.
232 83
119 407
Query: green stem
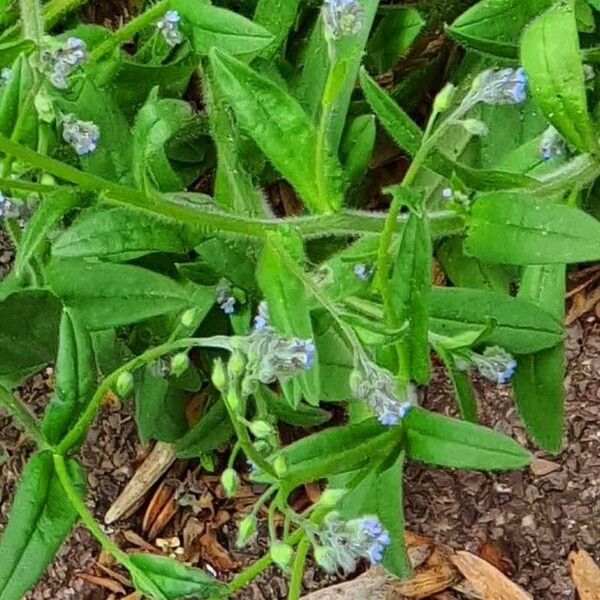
92 526
298 569
79 429
130 29
31 20
21 414
256 568
27 186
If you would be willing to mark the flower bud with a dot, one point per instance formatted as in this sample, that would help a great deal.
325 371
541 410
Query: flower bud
444 98
179 364
124 385
189 317
280 466
475 127
233 400
261 429
325 558
230 482
237 364
282 554
219 376
332 497
246 530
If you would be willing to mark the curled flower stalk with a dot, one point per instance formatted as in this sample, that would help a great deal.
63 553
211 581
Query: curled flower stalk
342 17
59 63
168 26
495 364
82 136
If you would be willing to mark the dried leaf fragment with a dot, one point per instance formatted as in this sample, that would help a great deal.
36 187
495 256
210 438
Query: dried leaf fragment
585 574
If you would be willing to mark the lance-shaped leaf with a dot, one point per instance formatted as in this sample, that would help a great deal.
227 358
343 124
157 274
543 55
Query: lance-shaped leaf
551 58
515 324
277 17
438 440
109 295
210 26
75 378
164 578
410 286
495 26
272 117
538 382
515 228
39 522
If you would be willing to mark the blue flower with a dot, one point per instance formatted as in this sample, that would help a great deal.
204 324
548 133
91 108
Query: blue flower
5 75
61 62
552 144
377 387
169 27
363 271
495 364
504 86
261 320
342 17
83 136
228 305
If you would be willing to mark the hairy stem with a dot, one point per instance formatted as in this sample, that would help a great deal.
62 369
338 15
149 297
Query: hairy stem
298 569
31 20
130 29
79 429
20 413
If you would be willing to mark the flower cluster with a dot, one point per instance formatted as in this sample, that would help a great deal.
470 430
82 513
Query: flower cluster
552 144
61 62
341 543
82 136
169 28
503 86
342 17
377 387
495 364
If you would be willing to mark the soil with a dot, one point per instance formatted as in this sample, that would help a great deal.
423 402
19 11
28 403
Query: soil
531 521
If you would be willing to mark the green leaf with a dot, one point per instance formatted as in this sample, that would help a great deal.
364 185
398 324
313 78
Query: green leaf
164 578
29 322
314 85
357 147
277 17
289 306
301 416
410 286
514 228
393 36
337 450
515 324
551 58
465 271
463 388
234 189
272 117
48 213
120 233
156 123
212 431
159 408
75 378
495 26
39 522
389 497
438 440
403 130
212 27
538 382
109 295
10 51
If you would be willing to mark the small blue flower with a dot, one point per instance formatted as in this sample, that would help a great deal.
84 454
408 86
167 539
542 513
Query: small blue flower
343 17
495 364
363 272
261 320
83 136
504 86
169 27
5 75
447 193
61 62
228 305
